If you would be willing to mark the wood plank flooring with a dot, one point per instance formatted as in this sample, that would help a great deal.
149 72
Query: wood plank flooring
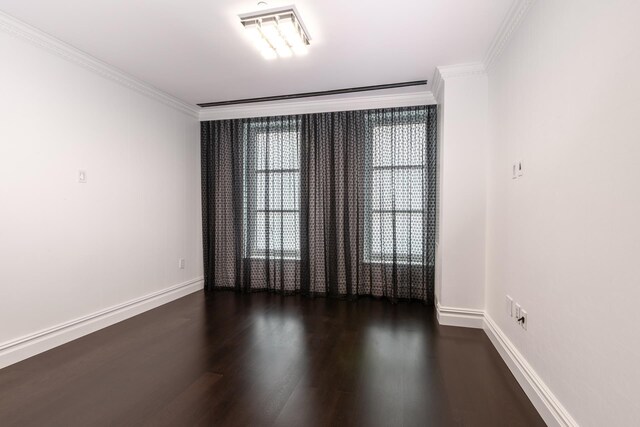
259 360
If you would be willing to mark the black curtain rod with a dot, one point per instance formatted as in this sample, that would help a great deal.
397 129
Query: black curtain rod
312 94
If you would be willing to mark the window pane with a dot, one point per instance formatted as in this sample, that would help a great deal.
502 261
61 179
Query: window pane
260 151
284 190
259 235
274 151
416 237
407 238
288 232
384 240
398 145
380 233
277 150
289 190
382 147
275 228
290 150
266 233
283 233
261 190
402 234
397 189
408 144
268 150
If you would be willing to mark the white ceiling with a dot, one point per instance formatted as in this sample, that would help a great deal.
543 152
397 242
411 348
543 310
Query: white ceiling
196 50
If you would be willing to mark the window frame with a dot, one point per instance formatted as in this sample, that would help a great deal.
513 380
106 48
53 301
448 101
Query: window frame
251 171
369 257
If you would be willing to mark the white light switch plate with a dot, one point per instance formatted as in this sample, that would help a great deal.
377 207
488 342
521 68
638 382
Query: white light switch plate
82 177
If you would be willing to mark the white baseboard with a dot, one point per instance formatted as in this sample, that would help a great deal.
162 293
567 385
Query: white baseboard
24 347
462 317
549 407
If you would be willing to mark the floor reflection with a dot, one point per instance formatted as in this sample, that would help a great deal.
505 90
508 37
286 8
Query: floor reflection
255 360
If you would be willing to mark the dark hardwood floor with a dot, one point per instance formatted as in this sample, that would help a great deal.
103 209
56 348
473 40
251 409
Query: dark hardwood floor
260 359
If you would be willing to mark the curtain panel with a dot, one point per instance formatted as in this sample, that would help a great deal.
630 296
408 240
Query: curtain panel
336 204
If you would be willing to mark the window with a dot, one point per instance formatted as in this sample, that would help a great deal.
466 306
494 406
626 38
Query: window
397 190
272 190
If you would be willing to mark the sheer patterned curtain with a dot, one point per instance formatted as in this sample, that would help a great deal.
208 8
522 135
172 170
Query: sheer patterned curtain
339 204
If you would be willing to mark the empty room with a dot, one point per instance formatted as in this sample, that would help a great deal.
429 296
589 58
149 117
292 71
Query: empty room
319 213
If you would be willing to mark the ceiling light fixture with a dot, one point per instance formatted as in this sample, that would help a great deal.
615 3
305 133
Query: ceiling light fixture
277 32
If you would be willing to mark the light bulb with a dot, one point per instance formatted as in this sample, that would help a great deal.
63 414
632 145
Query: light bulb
258 40
291 32
270 31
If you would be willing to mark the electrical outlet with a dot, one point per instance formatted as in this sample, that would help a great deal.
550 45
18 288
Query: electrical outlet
523 315
517 311
509 306
181 263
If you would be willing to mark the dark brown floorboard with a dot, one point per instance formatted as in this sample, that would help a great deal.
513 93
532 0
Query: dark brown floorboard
257 360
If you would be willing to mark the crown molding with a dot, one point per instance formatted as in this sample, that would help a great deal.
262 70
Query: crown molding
461 70
363 101
443 73
514 17
510 24
19 29
437 85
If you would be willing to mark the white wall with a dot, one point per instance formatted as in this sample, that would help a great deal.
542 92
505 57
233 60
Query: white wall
460 273
564 240
68 249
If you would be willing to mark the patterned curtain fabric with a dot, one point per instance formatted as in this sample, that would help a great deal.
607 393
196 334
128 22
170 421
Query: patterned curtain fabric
338 204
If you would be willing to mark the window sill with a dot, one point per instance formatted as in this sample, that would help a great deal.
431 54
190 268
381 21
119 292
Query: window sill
364 262
398 262
272 258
